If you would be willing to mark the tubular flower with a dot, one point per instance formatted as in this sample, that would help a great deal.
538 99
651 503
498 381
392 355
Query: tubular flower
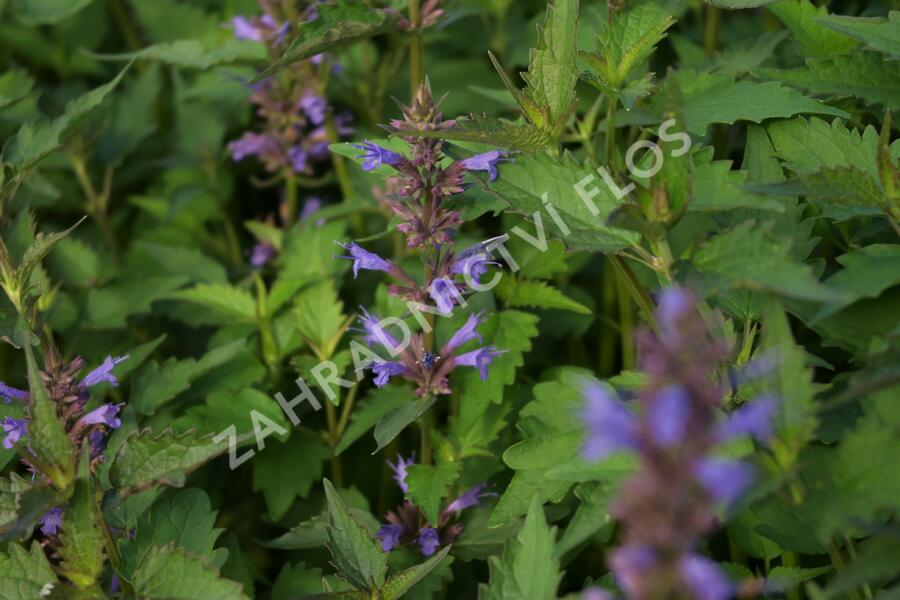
374 156
486 161
8 394
668 504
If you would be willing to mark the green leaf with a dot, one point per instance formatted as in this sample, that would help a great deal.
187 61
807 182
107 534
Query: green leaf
156 384
800 16
278 458
145 459
36 140
748 257
394 422
186 520
875 32
192 54
337 26
539 294
47 436
867 272
529 567
168 572
428 486
397 585
22 503
356 555
318 314
494 131
738 4
81 547
865 75
229 304
787 577
523 183
45 12
24 574
715 186
711 98
38 250
377 403
552 75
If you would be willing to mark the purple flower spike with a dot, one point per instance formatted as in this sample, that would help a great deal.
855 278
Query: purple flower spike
464 334
376 156
244 29
261 254
428 540
385 370
250 144
14 430
363 259
51 521
10 393
400 471
314 107
630 565
725 480
486 161
610 426
104 415
480 358
103 372
705 579
469 499
754 419
669 414
389 535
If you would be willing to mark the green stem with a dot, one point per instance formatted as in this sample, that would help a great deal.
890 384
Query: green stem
427 424
290 198
789 559
839 565
416 49
711 30
626 319
607 348
610 131
894 225
337 471
635 289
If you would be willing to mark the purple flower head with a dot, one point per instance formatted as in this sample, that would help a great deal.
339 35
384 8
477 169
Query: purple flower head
472 262
10 393
471 498
480 358
103 372
464 334
384 370
244 29
428 540
610 426
261 254
400 471
630 565
389 534
442 291
704 578
375 332
104 415
376 156
314 106
669 415
363 259
486 161
250 144
14 430
298 157
51 521
724 480
753 419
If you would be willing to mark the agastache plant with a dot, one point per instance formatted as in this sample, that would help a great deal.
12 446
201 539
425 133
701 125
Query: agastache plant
408 524
670 503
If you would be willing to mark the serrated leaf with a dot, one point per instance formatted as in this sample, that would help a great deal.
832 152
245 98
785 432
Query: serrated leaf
877 33
523 183
552 75
865 75
81 547
715 186
168 572
337 26
47 436
192 54
319 317
397 585
538 294
529 567
230 304
818 41
428 485
494 131
738 4
356 556
22 503
38 250
278 458
165 458
391 424
711 98
23 574
36 140
378 403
